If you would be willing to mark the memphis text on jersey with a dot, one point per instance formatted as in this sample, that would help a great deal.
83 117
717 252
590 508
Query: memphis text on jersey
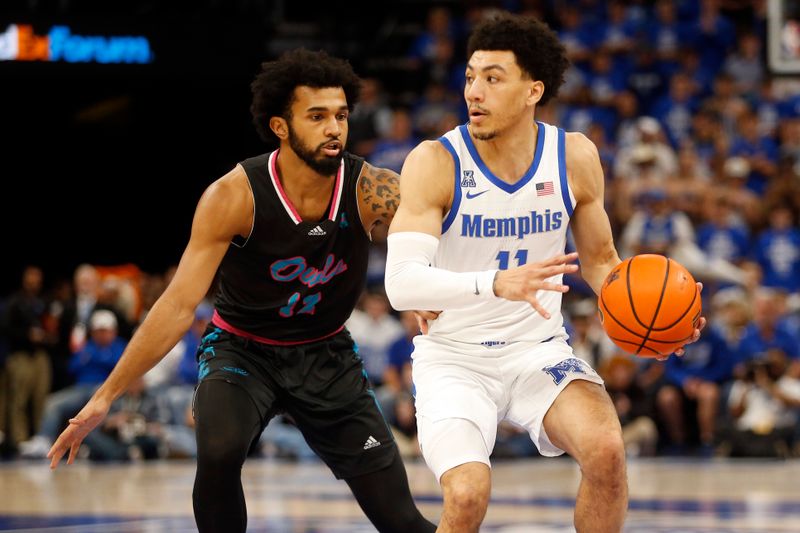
480 226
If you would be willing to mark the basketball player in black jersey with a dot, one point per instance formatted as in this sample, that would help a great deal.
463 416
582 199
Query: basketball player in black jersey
288 233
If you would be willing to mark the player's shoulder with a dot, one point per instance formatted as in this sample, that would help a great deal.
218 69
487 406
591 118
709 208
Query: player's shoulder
231 189
579 149
430 153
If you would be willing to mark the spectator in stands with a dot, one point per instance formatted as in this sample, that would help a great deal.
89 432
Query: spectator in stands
693 388
762 405
765 331
371 118
635 412
28 363
374 330
391 151
777 250
746 65
90 366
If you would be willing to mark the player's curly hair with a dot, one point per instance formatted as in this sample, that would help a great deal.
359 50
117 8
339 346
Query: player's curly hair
538 51
273 87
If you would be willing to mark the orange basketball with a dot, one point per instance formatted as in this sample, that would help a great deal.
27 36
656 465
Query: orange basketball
649 305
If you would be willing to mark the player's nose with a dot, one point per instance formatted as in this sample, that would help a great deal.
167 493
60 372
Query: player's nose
333 128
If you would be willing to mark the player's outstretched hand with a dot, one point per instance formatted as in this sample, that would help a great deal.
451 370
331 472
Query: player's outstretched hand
701 323
522 283
70 439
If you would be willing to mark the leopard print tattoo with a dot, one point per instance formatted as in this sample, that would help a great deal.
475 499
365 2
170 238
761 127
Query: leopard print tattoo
380 193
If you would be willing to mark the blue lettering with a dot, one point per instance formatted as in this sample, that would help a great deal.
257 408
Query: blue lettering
296 267
488 227
506 227
524 226
297 264
557 220
559 371
82 49
480 226
471 226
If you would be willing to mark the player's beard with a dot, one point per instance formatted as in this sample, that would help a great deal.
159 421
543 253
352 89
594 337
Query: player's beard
487 136
318 161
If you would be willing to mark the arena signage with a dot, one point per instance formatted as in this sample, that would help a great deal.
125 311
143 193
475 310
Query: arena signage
19 43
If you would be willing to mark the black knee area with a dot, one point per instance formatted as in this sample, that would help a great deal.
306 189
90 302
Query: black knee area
226 423
385 498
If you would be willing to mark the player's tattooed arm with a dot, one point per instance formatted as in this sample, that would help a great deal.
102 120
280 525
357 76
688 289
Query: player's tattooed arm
378 194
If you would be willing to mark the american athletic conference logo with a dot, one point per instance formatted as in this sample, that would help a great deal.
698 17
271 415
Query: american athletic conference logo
468 178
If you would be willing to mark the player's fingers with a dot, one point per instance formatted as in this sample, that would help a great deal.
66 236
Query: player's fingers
539 309
560 259
549 272
73 451
556 287
699 286
679 352
701 323
55 454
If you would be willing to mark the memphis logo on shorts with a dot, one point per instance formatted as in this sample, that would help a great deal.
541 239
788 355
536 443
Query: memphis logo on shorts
19 43
560 370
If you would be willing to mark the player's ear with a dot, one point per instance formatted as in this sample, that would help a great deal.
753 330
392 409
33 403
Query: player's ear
279 127
536 92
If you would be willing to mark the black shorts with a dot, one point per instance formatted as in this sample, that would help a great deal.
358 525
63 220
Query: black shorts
322 385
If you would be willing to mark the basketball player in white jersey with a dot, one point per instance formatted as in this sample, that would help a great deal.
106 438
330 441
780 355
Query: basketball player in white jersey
480 234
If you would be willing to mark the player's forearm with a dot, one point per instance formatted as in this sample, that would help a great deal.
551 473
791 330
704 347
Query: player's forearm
165 324
594 273
411 283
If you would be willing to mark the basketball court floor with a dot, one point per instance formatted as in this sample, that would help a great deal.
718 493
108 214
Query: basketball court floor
534 495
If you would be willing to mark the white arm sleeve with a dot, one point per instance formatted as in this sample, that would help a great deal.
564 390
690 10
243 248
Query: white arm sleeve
412 283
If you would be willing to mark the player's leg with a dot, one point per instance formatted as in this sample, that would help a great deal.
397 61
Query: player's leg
669 401
458 391
561 400
233 402
334 406
386 500
456 452
227 422
707 408
582 421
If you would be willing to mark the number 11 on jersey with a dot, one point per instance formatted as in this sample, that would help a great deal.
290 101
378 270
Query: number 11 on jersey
502 257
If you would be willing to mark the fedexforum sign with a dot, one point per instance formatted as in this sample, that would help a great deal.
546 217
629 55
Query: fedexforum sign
19 43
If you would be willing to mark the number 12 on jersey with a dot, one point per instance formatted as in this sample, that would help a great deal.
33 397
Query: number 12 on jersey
309 304
502 257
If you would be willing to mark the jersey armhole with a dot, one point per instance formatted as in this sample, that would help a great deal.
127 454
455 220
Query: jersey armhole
451 215
238 240
566 193
367 232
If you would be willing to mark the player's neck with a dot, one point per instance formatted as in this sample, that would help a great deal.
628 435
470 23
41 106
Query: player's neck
509 155
308 190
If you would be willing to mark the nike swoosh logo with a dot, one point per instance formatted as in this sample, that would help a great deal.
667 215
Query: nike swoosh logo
470 196
477 292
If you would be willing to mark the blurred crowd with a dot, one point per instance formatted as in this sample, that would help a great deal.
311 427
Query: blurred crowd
701 150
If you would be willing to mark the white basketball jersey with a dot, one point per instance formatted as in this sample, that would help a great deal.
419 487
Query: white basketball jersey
496 225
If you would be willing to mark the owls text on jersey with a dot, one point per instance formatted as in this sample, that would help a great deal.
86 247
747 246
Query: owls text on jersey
493 224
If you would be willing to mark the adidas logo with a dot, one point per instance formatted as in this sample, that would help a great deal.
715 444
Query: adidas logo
317 231
371 443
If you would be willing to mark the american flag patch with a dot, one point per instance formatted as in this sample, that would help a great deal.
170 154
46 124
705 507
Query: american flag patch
545 188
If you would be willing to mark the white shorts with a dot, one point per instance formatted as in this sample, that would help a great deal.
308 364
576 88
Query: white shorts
464 390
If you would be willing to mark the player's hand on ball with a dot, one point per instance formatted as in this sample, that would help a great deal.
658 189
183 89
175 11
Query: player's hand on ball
523 283
701 323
